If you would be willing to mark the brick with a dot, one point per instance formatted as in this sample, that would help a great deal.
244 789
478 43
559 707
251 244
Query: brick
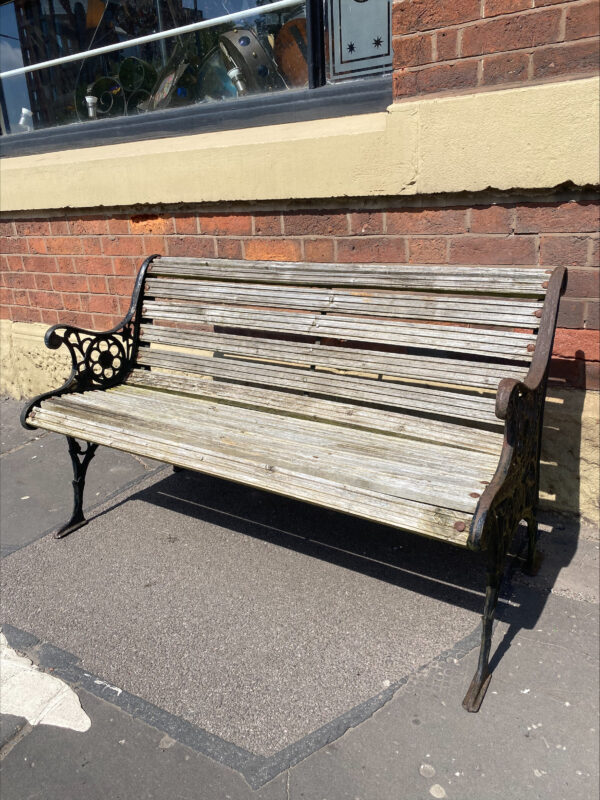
118 226
316 223
100 304
446 43
571 313
193 246
226 224
65 264
505 68
124 265
267 225
39 264
6 296
564 251
88 226
63 245
14 263
91 245
97 284
45 299
70 283
412 51
16 244
59 227
94 265
583 345
512 33
7 228
429 250
21 297
104 321
151 224
43 281
594 254
440 78
25 314
49 316
123 246
79 320
583 20
566 59
557 218
153 244
583 283
122 287
567 371
491 219
19 280
229 248
376 249
493 250
276 249
32 227
366 222
493 8
72 302
410 16
186 223
592 315
427 220
319 250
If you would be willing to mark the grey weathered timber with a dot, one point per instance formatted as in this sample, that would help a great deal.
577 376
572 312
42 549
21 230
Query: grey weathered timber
410 396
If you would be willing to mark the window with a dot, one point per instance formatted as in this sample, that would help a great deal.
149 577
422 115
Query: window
109 60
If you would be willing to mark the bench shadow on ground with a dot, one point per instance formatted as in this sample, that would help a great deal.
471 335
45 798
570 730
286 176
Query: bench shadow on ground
433 568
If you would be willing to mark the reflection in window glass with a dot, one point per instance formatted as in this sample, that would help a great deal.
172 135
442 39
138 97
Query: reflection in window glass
262 53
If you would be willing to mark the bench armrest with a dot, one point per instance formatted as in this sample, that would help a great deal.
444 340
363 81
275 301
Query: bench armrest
99 359
512 494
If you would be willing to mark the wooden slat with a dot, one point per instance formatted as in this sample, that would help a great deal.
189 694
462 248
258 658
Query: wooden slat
427 519
348 415
493 279
447 308
385 393
491 343
407 366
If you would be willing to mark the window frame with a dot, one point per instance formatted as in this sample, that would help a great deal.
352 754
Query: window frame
319 101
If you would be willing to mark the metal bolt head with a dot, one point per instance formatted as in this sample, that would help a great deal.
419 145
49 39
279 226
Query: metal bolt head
459 526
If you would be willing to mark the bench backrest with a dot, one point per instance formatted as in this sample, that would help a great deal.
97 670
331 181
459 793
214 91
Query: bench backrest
424 339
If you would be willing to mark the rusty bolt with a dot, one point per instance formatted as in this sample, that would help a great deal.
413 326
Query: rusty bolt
474 494
459 526
537 313
545 285
530 348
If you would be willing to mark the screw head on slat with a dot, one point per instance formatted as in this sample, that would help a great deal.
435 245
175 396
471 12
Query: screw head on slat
545 285
530 348
537 313
474 494
459 526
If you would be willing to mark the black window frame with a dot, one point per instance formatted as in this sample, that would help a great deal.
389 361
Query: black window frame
319 101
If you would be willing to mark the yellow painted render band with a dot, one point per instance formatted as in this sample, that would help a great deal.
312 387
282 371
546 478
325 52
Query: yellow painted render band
528 138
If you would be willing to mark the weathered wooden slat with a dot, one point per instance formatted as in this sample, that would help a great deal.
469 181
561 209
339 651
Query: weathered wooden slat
448 308
491 343
387 393
427 519
351 416
407 366
492 279
195 413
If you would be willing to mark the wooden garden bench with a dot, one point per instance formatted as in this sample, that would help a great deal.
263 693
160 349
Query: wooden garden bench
408 395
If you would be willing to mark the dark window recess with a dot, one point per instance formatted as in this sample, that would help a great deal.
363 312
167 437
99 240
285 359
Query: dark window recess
280 62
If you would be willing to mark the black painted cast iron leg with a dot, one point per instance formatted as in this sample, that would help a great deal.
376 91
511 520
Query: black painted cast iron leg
481 679
80 459
534 556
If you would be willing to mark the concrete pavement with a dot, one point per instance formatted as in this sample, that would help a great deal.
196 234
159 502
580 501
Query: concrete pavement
225 642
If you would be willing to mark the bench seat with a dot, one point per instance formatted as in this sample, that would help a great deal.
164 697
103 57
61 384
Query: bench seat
401 479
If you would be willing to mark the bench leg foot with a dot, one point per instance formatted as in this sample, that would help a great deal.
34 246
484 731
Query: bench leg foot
80 459
481 679
534 556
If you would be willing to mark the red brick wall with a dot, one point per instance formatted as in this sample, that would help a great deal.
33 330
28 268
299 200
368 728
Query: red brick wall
453 45
80 270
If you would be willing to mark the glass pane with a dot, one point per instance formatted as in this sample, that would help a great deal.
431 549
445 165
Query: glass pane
260 53
359 38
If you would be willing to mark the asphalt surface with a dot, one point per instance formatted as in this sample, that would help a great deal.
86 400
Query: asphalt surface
229 643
